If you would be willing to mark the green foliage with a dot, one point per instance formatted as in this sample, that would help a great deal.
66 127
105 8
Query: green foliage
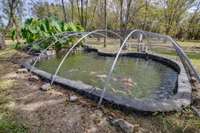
36 29
13 34
17 46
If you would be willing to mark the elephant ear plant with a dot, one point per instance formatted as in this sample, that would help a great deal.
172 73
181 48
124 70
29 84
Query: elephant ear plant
38 29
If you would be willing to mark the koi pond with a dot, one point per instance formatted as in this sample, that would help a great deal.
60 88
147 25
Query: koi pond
132 77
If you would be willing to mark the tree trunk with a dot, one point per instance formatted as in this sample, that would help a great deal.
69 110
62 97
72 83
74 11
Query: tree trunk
17 29
82 21
72 10
124 21
125 25
64 12
2 41
121 21
145 15
105 20
93 13
86 15
78 10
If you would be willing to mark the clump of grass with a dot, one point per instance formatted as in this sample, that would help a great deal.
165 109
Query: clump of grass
7 122
184 121
9 126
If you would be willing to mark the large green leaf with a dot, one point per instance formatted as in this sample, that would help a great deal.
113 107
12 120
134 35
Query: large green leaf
36 29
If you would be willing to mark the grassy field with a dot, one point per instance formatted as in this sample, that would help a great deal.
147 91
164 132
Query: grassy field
193 55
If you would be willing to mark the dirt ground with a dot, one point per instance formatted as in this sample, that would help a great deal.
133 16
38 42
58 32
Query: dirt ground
37 111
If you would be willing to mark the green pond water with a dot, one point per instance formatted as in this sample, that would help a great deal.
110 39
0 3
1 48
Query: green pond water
132 77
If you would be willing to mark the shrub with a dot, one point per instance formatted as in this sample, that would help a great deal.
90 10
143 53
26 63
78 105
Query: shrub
36 29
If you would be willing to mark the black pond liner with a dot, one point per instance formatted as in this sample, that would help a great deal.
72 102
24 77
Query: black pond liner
179 100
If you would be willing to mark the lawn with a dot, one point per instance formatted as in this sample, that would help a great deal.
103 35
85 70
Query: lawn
195 54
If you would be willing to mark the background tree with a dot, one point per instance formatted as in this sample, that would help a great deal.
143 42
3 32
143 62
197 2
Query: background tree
2 41
72 10
173 11
177 18
193 29
64 12
12 12
105 19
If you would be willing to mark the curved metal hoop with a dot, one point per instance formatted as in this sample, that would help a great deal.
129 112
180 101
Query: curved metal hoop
70 50
114 63
38 57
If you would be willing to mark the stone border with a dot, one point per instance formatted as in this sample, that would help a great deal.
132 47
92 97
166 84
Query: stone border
181 99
